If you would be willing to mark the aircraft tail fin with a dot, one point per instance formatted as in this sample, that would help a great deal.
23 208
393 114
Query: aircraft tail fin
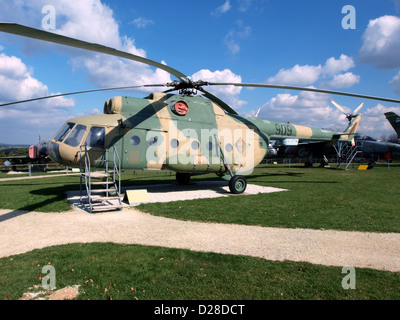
394 120
350 131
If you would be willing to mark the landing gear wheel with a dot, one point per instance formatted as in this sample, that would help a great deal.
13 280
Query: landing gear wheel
183 178
237 184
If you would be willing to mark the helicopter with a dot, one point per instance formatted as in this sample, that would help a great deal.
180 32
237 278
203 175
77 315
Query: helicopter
181 132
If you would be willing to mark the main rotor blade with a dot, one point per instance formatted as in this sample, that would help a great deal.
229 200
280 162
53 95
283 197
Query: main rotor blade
80 92
55 38
21 30
218 101
274 86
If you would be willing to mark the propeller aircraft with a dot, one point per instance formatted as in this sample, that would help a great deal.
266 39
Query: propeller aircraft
180 132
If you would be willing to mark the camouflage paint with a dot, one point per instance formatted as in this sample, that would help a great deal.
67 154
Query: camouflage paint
150 135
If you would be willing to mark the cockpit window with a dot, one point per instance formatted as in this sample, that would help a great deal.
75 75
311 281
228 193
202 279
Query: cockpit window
75 137
64 131
96 138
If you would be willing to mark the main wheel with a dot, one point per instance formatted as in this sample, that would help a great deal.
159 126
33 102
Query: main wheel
183 178
237 184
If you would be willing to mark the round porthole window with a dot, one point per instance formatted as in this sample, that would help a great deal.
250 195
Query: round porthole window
135 140
195 145
228 147
152 141
174 143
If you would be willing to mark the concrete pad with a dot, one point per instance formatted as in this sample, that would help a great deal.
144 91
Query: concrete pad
197 190
175 192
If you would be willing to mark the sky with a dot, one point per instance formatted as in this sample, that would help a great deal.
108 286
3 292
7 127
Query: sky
311 43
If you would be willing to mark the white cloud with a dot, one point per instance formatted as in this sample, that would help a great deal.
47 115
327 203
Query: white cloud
344 80
225 7
93 21
244 5
334 66
142 23
18 83
381 46
229 94
310 108
298 75
232 38
396 83
374 121
329 75
105 70
306 108
23 123
381 43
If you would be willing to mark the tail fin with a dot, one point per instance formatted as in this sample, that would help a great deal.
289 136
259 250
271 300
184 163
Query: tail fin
350 131
353 126
394 120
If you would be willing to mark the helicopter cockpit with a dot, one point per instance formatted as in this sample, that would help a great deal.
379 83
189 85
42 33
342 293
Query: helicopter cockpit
65 146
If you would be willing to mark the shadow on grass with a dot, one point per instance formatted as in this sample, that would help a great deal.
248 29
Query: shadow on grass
45 199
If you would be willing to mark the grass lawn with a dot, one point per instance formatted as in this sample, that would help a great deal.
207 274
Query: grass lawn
316 198
129 272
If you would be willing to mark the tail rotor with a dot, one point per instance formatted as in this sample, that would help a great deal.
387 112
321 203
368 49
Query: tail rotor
349 116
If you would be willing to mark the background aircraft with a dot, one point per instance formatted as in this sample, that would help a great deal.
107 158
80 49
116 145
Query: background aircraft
394 120
36 154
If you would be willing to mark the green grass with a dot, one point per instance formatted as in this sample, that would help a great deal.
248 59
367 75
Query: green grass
316 198
43 195
115 271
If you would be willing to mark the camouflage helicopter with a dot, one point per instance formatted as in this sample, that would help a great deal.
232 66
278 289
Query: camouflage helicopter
183 133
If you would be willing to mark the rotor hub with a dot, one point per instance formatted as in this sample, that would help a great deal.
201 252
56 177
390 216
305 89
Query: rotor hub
187 87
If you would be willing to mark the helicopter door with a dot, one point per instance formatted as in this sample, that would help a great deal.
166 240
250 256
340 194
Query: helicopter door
144 149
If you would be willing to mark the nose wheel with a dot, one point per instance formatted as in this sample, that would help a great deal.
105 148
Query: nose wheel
237 184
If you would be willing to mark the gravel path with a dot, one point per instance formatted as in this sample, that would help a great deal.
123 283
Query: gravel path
24 231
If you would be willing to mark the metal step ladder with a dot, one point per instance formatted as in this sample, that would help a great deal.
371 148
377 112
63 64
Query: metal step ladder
103 188
346 154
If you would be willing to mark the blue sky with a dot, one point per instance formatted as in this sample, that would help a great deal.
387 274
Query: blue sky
288 42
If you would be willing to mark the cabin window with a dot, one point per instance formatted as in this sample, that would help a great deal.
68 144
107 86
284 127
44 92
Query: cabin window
174 143
209 146
64 131
195 145
152 140
75 137
96 138
228 147
135 140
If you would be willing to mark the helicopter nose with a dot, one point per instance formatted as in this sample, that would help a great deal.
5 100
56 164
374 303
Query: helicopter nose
54 152
63 154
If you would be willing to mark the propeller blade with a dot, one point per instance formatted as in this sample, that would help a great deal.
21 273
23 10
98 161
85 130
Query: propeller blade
338 106
274 86
80 92
359 108
24 31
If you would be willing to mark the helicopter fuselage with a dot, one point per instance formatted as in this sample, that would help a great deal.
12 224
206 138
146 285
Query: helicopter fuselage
173 132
